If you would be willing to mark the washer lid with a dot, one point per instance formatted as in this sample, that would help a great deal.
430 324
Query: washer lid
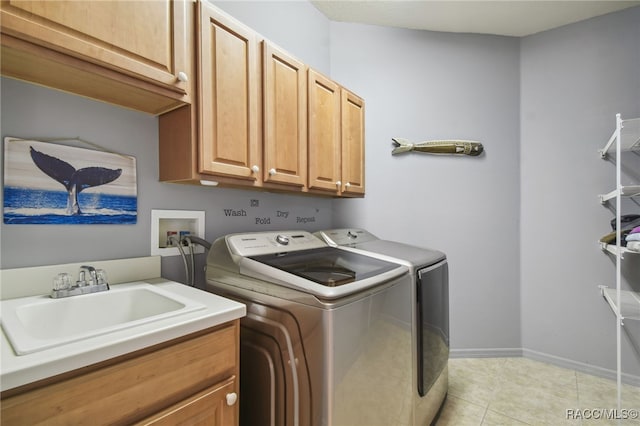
365 242
407 254
326 272
327 266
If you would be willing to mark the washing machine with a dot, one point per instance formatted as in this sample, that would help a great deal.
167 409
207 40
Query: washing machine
429 301
327 337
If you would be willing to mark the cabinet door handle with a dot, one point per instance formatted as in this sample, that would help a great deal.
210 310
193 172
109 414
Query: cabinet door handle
272 172
255 168
182 76
338 183
347 185
232 398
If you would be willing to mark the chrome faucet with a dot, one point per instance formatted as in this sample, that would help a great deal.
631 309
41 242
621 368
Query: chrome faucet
82 276
90 280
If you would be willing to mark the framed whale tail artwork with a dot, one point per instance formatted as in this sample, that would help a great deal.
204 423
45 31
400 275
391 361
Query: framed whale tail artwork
46 183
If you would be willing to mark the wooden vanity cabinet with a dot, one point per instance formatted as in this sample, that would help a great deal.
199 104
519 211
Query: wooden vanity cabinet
216 405
193 380
134 54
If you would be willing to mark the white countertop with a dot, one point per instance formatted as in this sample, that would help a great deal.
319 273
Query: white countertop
20 370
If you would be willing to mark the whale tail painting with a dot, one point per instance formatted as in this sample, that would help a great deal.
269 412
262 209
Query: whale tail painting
73 180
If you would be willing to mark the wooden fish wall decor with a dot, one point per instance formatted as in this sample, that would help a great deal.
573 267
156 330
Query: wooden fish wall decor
460 147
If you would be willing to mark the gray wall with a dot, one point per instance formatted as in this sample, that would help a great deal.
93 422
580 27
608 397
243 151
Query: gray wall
425 85
574 80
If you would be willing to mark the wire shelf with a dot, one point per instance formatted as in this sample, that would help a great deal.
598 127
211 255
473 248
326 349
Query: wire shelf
629 302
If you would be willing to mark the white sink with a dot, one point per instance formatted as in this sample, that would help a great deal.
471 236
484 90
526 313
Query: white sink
33 324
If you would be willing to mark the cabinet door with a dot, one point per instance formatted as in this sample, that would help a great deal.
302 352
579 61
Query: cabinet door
145 39
229 79
285 117
215 406
324 132
352 143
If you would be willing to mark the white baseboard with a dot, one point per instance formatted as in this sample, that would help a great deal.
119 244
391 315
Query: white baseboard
543 357
580 366
486 353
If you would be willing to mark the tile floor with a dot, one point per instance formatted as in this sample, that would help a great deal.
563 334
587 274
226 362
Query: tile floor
520 391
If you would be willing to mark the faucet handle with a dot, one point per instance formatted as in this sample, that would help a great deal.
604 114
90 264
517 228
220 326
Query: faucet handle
62 281
101 277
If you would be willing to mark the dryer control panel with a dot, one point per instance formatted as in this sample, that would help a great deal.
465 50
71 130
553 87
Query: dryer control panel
346 236
258 243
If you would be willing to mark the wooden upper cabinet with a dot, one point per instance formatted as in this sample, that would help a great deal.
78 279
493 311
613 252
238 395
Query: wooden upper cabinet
352 110
324 132
142 45
229 96
262 120
285 117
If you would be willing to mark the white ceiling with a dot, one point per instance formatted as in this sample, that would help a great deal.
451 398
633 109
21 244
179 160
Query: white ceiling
510 18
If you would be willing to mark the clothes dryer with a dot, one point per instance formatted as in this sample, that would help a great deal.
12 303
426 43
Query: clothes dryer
428 305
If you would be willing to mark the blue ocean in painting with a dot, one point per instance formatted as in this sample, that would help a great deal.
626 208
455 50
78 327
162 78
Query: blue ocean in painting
36 206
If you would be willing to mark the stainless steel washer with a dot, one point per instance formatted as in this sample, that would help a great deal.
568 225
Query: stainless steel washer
327 335
429 303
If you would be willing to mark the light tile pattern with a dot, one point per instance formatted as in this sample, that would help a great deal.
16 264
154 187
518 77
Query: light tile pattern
521 391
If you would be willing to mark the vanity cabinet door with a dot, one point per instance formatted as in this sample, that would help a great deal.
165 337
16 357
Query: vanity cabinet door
146 41
229 97
324 133
285 117
215 406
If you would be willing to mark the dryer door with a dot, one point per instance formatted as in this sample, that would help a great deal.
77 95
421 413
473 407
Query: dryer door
433 324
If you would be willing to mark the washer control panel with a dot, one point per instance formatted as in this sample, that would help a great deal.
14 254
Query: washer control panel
257 243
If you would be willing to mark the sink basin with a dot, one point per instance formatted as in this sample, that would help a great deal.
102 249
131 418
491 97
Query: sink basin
33 324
